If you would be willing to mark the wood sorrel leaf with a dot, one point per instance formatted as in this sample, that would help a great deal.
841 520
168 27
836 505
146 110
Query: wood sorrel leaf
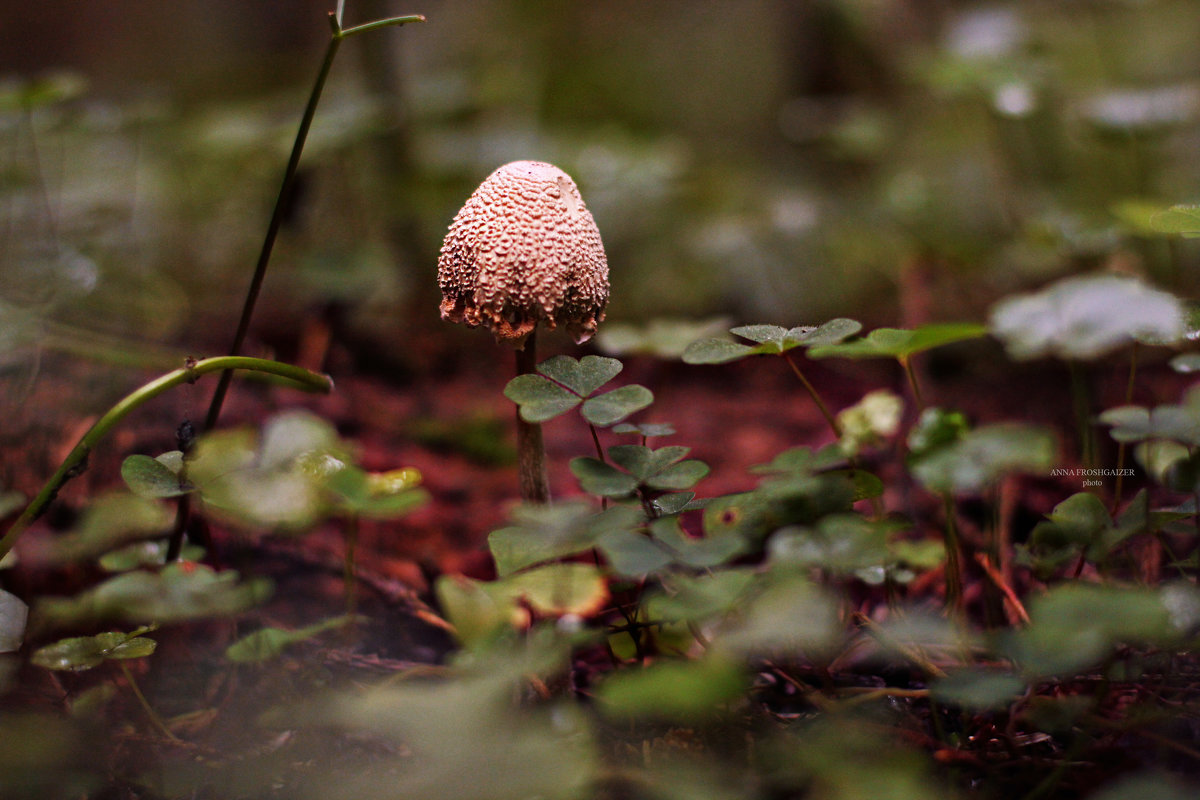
614 406
1179 423
84 652
769 340
605 480
540 398
582 377
900 343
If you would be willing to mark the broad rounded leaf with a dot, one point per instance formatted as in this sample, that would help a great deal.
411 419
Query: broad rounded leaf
676 477
614 406
899 343
599 478
717 351
762 334
84 652
582 377
831 332
539 397
149 477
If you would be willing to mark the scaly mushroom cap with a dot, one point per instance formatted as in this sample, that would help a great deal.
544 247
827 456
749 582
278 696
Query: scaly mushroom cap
524 249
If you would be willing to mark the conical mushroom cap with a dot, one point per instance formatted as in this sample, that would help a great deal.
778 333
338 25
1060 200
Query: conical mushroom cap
524 249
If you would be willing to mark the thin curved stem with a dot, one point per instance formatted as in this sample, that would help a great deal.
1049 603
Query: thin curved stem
816 398
76 461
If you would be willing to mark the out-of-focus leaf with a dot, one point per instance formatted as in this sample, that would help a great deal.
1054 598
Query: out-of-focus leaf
181 591
110 521
146 554
697 598
788 617
1148 785
983 456
681 692
1086 317
1076 625
542 533
150 477
268 643
978 689
1180 423
662 338
13 615
1181 219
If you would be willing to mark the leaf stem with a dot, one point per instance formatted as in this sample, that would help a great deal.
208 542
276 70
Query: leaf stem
155 719
954 577
1117 490
812 392
906 363
76 461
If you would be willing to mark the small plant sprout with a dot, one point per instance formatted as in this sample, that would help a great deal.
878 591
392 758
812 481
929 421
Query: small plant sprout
525 250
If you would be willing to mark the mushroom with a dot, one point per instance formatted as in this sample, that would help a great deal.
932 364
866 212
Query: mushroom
525 250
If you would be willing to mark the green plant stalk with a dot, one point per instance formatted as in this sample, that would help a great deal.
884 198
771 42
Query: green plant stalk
906 363
954 578
349 579
1082 402
76 460
812 392
1133 362
285 191
155 719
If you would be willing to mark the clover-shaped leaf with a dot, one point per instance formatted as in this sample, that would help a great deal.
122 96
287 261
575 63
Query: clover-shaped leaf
635 466
1086 317
561 383
768 340
900 343
84 652
1179 423
646 429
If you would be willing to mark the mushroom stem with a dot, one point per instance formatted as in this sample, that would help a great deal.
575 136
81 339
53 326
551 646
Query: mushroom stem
531 453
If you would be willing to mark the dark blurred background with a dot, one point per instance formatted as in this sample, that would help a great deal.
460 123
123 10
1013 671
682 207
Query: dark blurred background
778 161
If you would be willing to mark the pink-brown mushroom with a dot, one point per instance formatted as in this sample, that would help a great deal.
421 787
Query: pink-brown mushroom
523 251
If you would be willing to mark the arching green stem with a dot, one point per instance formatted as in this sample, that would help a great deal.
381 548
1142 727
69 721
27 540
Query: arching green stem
76 460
